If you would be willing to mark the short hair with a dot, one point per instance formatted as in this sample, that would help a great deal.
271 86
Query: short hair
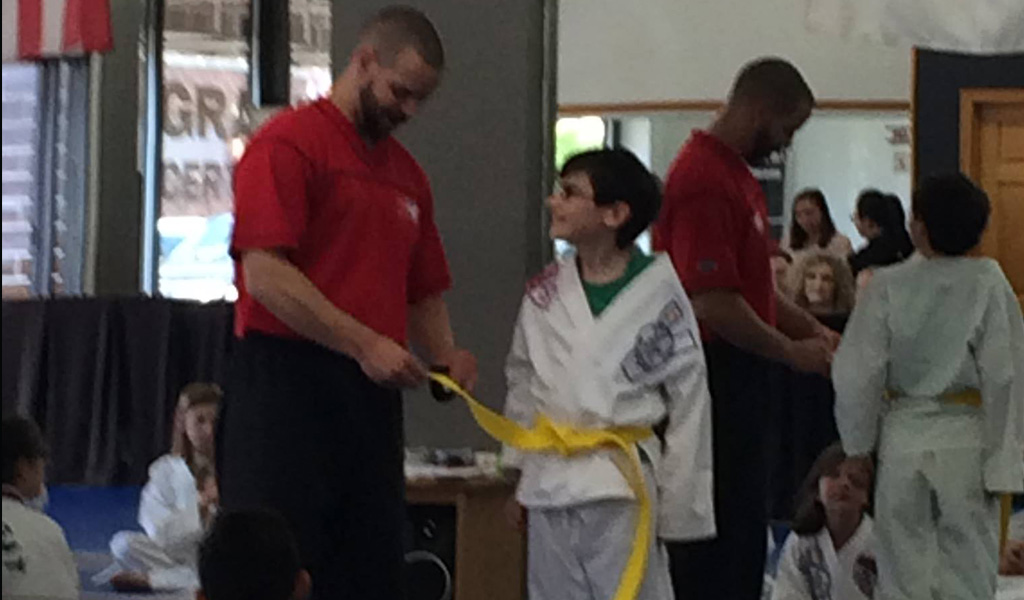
954 211
798 238
884 210
22 441
617 175
248 555
395 28
774 81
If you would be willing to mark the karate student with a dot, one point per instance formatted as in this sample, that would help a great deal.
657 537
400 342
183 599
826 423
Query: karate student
931 375
177 502
830 554
606 338
37 562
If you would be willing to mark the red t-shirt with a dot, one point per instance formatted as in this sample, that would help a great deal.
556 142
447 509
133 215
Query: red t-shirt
714 224
357 221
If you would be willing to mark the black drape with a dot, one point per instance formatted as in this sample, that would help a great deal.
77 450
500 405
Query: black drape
101 377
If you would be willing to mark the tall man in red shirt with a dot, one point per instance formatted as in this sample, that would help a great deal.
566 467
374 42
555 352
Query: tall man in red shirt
338 260
714 224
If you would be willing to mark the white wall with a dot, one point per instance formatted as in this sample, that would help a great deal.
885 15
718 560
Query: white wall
641 50
842 154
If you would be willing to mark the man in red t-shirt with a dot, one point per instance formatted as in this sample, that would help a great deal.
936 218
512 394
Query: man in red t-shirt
714 224
338 262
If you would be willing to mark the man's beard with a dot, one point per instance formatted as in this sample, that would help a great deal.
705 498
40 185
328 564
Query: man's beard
375 122
765 153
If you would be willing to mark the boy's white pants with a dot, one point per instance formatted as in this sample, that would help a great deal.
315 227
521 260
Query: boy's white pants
937 527
580 552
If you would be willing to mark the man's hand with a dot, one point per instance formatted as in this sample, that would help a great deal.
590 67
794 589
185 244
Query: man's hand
388 363
812 355
1011 563
462 368
831 338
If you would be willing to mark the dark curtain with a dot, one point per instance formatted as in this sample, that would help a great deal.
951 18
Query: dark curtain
101 377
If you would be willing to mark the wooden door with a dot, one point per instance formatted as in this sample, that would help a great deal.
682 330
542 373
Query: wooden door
992 153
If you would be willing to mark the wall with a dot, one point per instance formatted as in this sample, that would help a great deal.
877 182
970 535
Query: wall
940 77
615 51
481 141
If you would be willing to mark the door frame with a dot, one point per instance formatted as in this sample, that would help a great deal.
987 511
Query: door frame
971 100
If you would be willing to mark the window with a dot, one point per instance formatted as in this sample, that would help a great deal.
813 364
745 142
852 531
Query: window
311 49
45 111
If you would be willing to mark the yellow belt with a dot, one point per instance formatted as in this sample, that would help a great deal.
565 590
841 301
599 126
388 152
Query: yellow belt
972 397
964 397
546 436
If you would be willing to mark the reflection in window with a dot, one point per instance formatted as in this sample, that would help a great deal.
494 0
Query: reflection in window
20 148
311 49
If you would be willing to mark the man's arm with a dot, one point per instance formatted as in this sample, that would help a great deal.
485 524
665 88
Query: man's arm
290 296
798 324
729 315
430 330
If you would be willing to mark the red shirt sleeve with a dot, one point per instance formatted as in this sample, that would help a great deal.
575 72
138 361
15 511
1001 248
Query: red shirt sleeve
702 237
428 274
271 197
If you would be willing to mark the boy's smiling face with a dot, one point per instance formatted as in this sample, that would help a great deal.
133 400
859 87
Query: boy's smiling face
576 218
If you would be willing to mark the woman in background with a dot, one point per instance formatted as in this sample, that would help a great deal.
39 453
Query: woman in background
823 284
811 228
177 504
830 554
880 218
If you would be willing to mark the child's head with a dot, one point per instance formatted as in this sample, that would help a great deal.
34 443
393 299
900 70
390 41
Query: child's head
876 214
836 486
250 555
781 263
195 420
24 456
824 284
604 195
949 215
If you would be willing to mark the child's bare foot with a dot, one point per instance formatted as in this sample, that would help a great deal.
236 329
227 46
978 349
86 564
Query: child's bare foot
127 581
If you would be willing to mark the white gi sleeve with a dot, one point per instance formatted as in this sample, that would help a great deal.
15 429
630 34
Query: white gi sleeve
790 584
999 351
169 508
519 404
685 479
859 370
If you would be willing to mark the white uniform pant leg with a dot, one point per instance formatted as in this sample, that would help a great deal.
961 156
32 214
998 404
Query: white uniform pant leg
553 570
136 552
905 530
968 527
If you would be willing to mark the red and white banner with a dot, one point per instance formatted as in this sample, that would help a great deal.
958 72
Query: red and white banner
37 29
969 26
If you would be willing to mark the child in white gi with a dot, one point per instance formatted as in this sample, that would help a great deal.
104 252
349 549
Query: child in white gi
177 503
606 338
931 375
831 553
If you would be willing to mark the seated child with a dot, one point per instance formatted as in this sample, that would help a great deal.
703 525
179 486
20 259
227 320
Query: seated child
830 554
931 375
37 562
606 338
177 503
251 555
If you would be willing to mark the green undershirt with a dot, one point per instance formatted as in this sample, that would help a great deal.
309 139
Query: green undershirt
601 295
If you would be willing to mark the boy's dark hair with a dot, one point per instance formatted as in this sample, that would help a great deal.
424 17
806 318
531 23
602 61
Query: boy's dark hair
248 555
617 175
22 440
774 81
810 513
954 210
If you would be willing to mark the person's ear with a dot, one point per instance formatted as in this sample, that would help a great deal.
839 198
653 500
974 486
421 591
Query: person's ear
617 215
364 57
303 585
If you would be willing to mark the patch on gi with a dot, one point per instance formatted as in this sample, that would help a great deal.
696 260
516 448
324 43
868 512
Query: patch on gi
13 560
811 564
707 266
657 342
865 574
543 288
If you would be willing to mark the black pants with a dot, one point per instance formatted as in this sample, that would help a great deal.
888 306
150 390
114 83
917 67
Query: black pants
304 432
731 566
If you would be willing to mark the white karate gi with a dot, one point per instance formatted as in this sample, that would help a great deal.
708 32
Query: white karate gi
812 569
923 330
169 515
37 562
638 363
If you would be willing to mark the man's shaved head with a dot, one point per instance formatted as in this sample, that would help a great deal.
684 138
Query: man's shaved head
773 82
396 28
